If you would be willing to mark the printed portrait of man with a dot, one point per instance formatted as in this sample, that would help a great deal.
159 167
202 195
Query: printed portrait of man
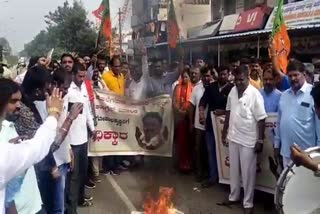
153 134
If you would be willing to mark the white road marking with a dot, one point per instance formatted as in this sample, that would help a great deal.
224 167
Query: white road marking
121 193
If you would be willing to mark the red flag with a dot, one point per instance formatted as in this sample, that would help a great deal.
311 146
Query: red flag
173 28
99 12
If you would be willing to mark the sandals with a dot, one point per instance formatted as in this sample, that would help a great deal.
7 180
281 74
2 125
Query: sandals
86 204
228 203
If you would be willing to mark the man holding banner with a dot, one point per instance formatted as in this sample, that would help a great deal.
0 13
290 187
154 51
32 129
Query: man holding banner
246 115
114 81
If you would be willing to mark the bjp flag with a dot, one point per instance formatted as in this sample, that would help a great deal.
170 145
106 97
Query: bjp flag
281 40
103 14
173 28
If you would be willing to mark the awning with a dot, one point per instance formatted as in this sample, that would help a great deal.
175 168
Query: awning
257 32
228 24
211 30
193 32
250 33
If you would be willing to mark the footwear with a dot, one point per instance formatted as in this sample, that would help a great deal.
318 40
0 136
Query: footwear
126 163
122 167
248 210
90 184
208 184
106 172
114 172
96 179
228 203
88 198
86 204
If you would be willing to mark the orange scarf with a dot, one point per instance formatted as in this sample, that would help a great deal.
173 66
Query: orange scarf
183 95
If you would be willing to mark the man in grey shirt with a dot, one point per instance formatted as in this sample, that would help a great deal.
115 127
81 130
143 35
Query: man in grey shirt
159 84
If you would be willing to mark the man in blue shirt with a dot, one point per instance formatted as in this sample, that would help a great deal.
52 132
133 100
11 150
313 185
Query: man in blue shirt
270 94
297 120
299 156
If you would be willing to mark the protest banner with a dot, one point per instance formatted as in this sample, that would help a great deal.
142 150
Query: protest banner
266 180
127 127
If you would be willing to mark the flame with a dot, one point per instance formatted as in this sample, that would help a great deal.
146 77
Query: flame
161 206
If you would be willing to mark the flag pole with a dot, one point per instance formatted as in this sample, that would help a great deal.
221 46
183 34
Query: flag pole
98 39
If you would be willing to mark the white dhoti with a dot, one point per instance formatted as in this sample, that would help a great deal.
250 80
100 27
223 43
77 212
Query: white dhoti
243 164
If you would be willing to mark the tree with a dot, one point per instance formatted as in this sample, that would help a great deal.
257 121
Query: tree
68 30
5 46
5 52
39 45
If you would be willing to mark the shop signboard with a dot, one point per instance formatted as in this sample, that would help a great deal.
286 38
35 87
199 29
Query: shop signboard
251 20
298 13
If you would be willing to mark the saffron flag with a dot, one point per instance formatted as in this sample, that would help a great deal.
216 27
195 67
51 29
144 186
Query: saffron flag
281 40
173 28
103 14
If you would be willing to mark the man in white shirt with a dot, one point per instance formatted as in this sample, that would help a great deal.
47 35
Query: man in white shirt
137 89
246 115
21 73
15 159
25 155
196 126
78 137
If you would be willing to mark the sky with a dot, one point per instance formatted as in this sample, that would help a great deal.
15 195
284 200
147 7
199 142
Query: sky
22 20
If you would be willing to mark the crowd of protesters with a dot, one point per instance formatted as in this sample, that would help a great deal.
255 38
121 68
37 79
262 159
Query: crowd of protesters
245 91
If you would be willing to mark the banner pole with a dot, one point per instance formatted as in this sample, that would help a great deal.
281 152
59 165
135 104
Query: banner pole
258 47
219 57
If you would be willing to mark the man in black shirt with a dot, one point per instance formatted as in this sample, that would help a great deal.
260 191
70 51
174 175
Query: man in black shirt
215 98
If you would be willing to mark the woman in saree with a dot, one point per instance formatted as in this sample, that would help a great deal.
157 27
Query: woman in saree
181 96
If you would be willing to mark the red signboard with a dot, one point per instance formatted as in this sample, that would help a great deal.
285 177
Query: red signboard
251 20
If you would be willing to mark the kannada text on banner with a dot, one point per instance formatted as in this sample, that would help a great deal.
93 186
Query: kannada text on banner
266 180
127 127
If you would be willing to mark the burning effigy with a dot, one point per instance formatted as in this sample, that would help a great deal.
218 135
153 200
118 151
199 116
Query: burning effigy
162 204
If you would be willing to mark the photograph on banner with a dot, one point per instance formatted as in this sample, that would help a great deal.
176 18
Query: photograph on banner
267 168
127 127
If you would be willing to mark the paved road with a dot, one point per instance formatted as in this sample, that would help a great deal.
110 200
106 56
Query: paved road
125 193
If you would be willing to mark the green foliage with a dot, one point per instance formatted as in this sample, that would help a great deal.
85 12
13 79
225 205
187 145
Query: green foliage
6 52
6 46
12 60
38 46
68 30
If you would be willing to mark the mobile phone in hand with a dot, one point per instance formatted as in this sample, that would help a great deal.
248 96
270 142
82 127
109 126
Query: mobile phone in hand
70 107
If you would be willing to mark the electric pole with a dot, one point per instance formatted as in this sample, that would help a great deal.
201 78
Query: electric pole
120 28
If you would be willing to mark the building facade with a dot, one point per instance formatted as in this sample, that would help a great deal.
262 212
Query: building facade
149 18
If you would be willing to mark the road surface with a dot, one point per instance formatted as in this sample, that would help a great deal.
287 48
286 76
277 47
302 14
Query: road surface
126 193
